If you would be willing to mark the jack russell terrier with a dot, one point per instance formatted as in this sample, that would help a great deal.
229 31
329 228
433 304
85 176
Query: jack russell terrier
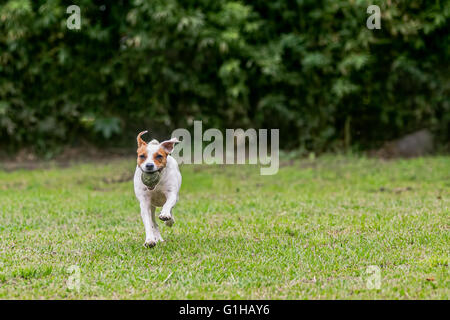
152 157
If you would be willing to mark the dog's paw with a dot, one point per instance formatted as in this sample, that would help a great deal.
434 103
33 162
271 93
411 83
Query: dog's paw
169 223
165 216
149 243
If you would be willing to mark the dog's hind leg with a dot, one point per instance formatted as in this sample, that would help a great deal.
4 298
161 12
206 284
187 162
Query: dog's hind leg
170 222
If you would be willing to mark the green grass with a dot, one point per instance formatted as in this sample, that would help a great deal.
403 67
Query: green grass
309 232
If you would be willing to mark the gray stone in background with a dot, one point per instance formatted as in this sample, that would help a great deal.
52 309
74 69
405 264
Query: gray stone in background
412 145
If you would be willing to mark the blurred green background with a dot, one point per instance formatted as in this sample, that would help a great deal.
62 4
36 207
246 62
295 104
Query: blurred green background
308 67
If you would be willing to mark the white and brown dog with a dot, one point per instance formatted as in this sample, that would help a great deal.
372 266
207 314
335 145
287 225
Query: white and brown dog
151 157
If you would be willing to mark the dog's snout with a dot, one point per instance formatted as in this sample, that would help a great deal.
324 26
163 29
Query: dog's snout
149 166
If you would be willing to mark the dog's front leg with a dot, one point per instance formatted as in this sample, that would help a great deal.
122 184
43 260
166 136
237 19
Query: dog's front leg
150 237
155 225
166 211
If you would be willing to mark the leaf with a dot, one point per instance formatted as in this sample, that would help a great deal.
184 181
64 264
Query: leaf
107 126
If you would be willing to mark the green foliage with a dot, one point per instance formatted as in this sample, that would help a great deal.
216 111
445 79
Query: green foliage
306 67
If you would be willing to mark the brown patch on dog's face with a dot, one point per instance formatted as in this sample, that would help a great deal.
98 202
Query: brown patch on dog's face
142 154
160 158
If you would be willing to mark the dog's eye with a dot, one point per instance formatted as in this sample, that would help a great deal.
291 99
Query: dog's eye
142 156
159 157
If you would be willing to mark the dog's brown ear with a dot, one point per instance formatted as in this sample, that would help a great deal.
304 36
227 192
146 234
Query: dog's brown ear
169 144
141 142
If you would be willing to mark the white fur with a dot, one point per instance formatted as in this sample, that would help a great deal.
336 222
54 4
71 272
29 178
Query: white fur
164 195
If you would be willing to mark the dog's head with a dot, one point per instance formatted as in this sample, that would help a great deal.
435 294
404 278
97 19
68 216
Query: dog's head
152 156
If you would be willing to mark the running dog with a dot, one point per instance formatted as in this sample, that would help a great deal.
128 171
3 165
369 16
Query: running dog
152 157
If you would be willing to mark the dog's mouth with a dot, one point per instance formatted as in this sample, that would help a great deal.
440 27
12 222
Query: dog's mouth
151 171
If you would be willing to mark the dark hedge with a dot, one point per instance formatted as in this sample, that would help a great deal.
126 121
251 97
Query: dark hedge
309 67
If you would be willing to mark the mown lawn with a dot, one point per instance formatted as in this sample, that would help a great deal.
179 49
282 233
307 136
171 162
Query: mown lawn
309 232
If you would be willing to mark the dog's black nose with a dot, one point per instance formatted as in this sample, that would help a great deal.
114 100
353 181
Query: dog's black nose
149 166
